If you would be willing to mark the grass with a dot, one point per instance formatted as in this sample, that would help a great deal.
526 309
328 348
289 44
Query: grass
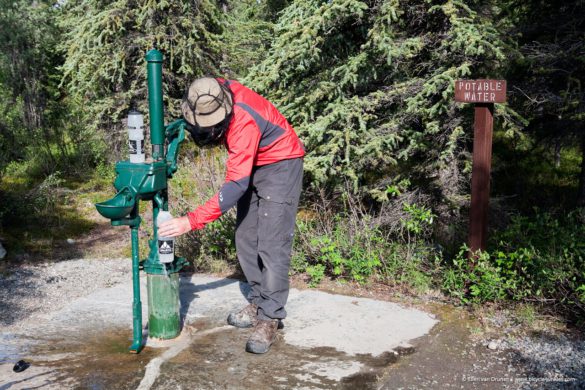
39 215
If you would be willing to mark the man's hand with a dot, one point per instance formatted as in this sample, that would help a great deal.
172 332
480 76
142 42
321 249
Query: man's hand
175 227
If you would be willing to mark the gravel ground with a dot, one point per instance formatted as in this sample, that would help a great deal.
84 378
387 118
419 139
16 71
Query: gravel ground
29 292
550 360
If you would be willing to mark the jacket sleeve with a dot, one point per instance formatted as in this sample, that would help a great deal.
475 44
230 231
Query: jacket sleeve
242 142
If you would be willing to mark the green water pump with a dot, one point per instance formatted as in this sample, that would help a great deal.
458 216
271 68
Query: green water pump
148 181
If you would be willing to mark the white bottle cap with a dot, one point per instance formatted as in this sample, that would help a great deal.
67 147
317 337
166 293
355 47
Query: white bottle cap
163 216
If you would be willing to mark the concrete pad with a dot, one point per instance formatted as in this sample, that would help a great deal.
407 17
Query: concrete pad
351 325
328 340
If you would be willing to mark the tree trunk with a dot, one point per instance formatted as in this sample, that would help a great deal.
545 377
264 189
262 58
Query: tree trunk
581 190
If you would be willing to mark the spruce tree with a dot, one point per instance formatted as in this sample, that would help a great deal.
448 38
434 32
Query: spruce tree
251 29
369 86
30 116
105 44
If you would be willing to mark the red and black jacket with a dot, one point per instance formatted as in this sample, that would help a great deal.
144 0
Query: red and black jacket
258 134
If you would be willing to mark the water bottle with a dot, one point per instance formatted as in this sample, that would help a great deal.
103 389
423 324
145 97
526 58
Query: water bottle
166 245
136 136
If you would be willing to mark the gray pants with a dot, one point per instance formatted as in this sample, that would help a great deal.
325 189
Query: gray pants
264 233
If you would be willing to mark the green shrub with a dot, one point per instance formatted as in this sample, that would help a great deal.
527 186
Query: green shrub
476 280
539 258
415 265
212 249
316 273
352 245
342 252
45 196
418 218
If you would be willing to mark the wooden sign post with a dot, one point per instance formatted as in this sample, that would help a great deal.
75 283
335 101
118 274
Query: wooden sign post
483 93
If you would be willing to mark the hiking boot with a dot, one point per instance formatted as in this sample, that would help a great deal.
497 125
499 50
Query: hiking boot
245 318
263 336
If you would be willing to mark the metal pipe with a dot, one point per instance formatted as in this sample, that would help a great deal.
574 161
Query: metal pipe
154 59
136 303
157 206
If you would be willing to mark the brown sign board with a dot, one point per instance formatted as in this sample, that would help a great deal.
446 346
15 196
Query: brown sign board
480 91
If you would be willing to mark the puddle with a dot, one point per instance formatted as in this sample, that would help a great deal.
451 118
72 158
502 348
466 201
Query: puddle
213 360
362 381
95 362
105 363
219 361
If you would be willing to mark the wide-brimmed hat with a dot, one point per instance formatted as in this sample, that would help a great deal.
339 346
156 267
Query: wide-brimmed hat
207 102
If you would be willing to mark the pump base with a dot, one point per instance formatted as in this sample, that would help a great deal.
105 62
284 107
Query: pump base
135 348
163 306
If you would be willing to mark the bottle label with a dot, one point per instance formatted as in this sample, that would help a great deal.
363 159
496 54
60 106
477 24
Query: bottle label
134 147
165 247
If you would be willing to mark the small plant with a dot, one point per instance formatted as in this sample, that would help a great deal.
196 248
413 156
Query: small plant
525 314
343 256
419 218
44 197
414 265
316 273
474 280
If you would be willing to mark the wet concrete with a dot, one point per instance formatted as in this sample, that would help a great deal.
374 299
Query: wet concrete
214 358
218 361
101 361
329 341
214 361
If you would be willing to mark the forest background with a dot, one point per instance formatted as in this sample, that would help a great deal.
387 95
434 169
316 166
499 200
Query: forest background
368 85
